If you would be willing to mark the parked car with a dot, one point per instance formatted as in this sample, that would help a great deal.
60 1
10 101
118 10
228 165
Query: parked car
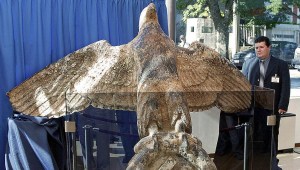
280 49
239 58
296 60
284 50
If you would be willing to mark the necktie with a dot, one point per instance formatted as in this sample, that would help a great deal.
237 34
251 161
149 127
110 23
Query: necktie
262 73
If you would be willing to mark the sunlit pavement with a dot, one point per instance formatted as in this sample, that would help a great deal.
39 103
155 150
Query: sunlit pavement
294 73
295 83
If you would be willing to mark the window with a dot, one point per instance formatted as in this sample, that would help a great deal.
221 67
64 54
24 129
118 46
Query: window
192 29
283 36
207 29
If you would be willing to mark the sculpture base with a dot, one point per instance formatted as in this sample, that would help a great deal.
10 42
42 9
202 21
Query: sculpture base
170 150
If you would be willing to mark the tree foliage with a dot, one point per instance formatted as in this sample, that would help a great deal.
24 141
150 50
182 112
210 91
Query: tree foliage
284 6
193 8
268 12
252 12
219 10
182 4
258 12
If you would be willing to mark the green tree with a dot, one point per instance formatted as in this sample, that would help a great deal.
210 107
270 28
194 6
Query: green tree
268 12
220 12
253 12
283 6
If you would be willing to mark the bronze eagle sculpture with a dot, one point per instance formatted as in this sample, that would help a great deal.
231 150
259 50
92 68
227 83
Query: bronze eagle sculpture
151 75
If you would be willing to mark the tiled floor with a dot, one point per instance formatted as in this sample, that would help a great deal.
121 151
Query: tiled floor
287 161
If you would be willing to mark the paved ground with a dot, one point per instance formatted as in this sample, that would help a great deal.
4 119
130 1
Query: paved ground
295 78
291 161
295 83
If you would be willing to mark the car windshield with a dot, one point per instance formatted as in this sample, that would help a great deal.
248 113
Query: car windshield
283 49
249 55
283 45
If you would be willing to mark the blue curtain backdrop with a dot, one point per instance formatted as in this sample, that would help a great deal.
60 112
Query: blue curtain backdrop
35 33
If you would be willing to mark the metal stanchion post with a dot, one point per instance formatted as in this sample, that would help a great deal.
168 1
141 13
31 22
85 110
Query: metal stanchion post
74 150
70 129
87 132
246 148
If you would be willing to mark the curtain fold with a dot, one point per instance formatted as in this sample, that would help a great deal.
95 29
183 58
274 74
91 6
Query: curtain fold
35 143
36 33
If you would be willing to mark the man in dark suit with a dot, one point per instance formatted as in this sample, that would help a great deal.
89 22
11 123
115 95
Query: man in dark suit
267 71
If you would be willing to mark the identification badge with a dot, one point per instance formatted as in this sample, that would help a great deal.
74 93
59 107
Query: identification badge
275 79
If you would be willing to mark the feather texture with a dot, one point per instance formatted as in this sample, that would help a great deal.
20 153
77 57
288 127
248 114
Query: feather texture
114 77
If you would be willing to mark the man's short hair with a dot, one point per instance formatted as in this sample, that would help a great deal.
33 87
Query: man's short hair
263 39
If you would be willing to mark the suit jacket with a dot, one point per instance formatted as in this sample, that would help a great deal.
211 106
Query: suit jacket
276 67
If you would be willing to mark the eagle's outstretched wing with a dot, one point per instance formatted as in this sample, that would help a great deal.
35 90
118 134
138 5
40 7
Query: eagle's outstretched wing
98 74
106 76
211 80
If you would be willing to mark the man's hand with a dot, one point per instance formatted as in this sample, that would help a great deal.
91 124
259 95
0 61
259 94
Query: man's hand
281 111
